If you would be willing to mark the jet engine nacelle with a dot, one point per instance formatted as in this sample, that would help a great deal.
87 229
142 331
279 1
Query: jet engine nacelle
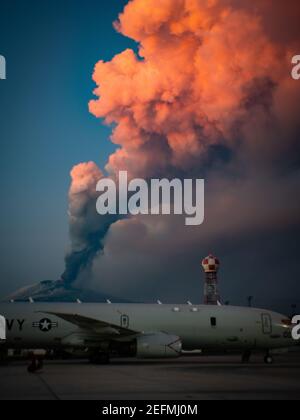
158 345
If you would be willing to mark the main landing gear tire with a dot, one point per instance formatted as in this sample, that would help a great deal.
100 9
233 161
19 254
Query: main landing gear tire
100 359
36 364
269 360
3 356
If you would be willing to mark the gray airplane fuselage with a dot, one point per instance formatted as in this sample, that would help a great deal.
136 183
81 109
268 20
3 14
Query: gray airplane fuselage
32 326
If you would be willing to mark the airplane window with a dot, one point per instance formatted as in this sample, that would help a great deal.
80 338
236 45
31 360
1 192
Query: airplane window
213 322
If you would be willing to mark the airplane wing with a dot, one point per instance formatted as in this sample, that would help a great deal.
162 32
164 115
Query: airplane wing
95 326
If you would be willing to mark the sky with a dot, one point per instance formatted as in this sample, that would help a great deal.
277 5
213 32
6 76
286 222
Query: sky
51 48
208 95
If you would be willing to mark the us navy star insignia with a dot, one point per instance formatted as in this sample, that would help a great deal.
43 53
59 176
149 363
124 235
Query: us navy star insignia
45 325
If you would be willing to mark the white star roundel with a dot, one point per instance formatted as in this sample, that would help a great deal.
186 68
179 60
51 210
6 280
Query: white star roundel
45 325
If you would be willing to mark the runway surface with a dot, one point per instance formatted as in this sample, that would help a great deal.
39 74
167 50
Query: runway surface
188 378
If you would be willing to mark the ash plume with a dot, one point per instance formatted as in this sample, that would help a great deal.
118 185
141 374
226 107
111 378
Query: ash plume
87 228
209 75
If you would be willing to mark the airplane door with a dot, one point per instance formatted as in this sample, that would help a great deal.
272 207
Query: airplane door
266 324
125 321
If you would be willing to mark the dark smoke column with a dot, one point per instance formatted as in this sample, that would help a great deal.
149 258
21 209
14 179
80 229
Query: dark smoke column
211 266
87 228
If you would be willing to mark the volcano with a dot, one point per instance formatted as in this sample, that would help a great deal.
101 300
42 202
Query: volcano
57 291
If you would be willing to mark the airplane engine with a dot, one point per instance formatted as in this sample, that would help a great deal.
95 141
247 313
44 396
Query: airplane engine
158 345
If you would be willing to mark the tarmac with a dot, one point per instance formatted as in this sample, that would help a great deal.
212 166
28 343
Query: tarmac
189 378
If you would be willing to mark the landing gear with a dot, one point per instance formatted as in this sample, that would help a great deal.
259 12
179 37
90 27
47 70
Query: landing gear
36 363
246 357
269 360
99 358
3 356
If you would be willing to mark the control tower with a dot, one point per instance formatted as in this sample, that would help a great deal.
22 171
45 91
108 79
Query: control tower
211 267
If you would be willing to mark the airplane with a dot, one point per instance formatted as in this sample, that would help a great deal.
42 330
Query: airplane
144 330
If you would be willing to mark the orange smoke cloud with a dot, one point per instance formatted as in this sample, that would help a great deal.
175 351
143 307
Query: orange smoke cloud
208 73
194 82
